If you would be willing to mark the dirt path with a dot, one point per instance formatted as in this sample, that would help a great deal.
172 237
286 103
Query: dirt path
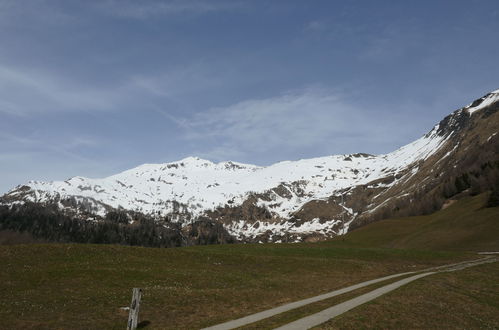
336 310
327 314
284 308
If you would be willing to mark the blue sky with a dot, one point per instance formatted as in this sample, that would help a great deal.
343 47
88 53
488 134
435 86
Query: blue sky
92 88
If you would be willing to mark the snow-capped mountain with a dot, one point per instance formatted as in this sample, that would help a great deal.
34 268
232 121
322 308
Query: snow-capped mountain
290 200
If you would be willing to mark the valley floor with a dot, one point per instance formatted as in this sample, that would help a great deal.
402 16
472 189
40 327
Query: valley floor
73 286
84 286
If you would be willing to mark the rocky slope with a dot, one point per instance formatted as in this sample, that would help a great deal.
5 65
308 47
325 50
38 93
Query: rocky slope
293 200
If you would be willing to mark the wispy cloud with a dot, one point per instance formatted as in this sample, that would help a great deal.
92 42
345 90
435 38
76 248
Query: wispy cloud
316 26
190 78
288 120
23 92
329 30
66 148
148 9
33 12
26 91
314 118
392 42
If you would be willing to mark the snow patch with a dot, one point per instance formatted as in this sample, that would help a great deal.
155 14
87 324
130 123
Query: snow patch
487 100
490 137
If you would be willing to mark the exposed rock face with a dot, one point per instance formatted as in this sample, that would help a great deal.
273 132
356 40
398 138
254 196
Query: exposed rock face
206 231
309 199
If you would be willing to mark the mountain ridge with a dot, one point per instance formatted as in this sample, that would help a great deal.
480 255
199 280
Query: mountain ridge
311 198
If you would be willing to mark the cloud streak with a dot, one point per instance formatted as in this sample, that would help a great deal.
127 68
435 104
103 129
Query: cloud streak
149 9
23 93
65 148
310 119
28 91
31 13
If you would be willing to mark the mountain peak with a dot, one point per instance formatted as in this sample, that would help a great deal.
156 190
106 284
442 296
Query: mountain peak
483 102
193 159
290 199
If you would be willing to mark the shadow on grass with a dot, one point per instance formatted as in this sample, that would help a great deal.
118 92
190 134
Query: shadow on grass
143 324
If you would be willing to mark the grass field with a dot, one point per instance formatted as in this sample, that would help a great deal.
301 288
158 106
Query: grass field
83 286
61 286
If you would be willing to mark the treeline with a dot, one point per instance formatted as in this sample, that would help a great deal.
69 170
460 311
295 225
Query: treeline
48 223
480 178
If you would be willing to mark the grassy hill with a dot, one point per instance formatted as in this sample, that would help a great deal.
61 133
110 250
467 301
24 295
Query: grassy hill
466 225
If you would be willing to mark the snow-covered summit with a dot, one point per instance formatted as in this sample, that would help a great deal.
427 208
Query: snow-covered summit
202 185
483 102
318 195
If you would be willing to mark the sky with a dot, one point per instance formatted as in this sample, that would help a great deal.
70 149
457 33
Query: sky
92 88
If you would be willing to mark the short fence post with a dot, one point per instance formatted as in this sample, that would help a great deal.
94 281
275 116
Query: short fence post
133 316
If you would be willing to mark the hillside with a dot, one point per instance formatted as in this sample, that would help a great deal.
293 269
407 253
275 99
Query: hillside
466 225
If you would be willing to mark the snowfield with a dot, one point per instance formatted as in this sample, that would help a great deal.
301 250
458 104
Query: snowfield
203 185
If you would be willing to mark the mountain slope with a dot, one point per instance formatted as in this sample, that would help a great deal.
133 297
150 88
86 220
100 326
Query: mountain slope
466 225
294 200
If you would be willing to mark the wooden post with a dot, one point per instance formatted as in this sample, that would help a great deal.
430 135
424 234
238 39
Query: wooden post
133 316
